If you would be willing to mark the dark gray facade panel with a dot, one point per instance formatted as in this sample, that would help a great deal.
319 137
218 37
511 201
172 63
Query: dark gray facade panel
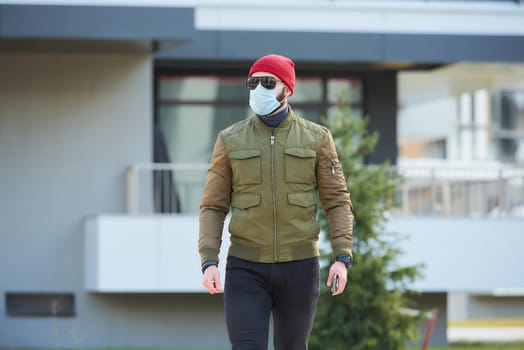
203 45
95 22
349 47
452 48
380 105
306 46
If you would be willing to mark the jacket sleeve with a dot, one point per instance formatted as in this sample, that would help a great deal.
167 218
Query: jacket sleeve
335 198
215 203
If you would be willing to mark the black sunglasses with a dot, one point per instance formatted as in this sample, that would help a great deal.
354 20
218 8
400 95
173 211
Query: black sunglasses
266 81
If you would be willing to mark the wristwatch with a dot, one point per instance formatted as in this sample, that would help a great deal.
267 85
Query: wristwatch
346 259
209 263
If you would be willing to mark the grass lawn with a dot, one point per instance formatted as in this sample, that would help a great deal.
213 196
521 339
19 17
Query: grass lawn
468 347
501 347
472 347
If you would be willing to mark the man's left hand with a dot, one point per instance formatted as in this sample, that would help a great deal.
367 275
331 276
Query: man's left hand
340 269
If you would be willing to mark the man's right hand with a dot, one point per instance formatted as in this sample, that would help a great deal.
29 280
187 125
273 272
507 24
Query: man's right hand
211 280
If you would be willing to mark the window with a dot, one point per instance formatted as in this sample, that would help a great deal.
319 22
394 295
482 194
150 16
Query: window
40 304
191 110
508 126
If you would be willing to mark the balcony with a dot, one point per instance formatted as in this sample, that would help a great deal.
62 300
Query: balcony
463 223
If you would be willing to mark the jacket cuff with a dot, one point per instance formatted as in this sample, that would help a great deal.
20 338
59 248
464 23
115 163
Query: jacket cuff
208 254
342 250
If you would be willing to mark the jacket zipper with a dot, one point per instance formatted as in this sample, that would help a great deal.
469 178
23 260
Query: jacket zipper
272 142
332 165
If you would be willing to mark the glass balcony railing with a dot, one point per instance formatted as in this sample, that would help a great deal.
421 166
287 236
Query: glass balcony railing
466 191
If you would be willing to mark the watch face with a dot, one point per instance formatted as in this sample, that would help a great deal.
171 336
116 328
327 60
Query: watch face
345 259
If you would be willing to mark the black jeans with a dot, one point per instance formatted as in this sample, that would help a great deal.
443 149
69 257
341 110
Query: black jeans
253 291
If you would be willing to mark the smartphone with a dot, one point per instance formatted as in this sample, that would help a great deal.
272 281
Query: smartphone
334 285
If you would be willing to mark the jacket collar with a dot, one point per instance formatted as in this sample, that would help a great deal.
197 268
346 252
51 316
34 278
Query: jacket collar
285 123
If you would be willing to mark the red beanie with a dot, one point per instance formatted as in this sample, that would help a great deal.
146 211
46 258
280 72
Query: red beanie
281 66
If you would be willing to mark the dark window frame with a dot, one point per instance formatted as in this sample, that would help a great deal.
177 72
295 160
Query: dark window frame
323 106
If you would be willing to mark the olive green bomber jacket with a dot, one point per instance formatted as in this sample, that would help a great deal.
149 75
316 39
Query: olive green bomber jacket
270 178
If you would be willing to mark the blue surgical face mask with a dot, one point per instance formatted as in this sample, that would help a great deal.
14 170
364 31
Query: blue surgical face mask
263 101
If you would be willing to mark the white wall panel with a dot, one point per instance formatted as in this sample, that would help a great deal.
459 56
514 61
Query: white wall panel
145 254
159 253
463 254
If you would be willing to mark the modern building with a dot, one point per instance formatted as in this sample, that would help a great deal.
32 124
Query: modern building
109 111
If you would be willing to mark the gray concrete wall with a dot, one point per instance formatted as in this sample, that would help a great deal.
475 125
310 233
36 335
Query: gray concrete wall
70 123
145 320
480 306
457 305
463 306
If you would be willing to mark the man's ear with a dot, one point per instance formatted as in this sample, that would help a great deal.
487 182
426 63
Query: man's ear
287 91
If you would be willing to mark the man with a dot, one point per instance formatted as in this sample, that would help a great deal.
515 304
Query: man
269 169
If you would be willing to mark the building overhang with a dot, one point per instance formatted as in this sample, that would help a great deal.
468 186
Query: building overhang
75 27
344 48
354 32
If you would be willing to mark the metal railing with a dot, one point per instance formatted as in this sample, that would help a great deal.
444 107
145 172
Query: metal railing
165 188
461 191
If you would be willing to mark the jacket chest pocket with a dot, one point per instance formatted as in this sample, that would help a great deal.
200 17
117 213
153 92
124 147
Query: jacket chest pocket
300 165
246 166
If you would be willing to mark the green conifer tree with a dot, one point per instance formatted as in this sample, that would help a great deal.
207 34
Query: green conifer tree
371 313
